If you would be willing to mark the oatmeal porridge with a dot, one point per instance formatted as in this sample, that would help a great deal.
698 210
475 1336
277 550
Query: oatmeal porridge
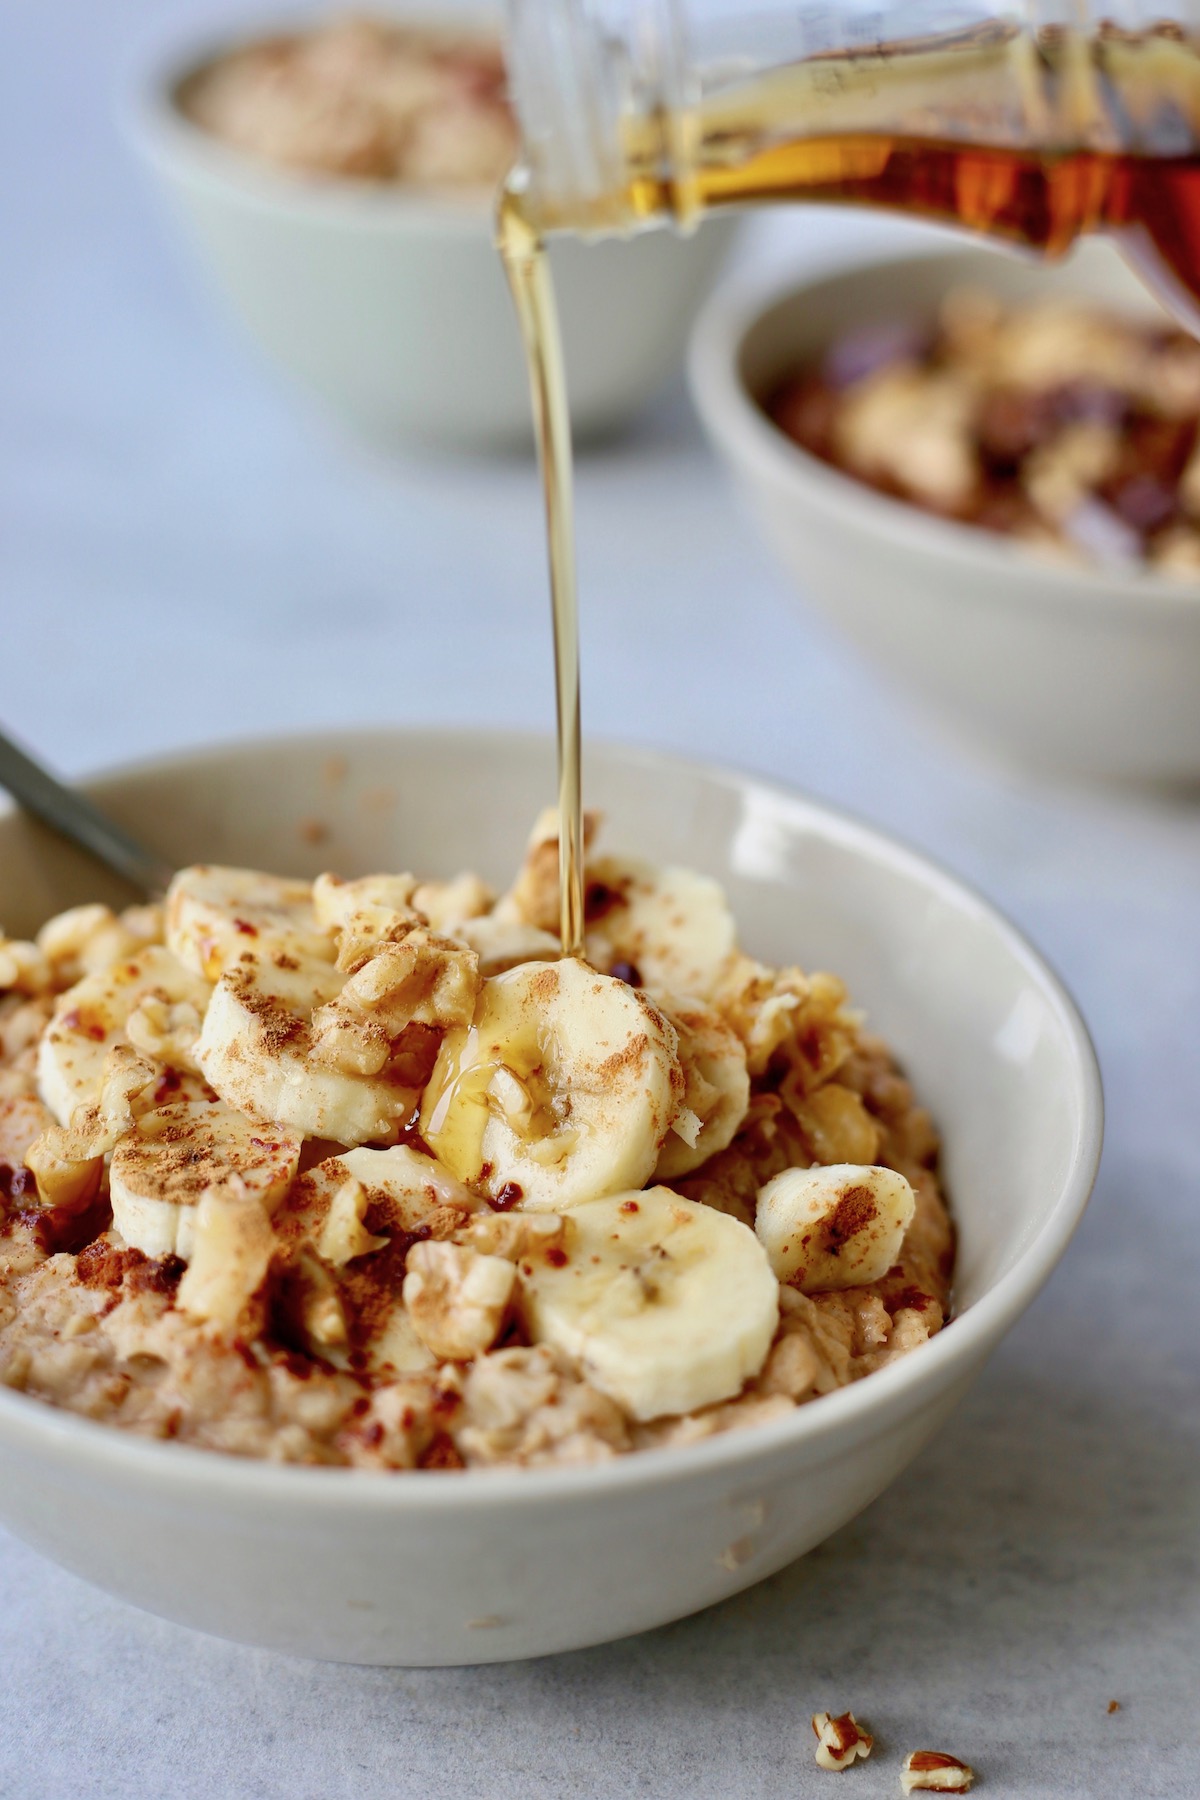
365 1172
1068 427
364 98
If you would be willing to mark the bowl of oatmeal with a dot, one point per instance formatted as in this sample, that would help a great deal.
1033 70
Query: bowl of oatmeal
377 1284
337 177
984 472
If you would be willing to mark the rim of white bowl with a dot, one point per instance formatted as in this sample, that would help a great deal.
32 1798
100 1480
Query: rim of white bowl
152 120
748 439
903 1385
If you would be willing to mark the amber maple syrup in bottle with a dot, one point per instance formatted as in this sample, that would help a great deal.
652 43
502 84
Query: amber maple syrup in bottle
1032 124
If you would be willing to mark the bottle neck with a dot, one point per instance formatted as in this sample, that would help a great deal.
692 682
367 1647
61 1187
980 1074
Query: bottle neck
603 93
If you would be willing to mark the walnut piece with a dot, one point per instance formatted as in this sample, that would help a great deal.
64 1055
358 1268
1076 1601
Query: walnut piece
840 1740
936 1771
420 980
343 1235
67 1160
232 1252
166 1030
513 1235
456 1298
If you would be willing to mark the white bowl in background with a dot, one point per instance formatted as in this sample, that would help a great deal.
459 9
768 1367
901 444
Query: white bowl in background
1076 670
389 304
487 1566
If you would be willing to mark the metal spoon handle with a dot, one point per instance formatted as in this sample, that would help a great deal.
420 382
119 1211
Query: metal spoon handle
75 817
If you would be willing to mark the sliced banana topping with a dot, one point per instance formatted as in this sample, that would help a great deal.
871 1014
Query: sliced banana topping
672 927
215 914
256 1050
837 1225
562 1089
335 901
501 944
161 1170
666 1304
91 1017
449 904
716 1091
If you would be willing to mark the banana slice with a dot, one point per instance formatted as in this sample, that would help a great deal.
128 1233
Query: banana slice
501 944
671 926
256 1050
837 1225
716 1091
563 1088
335 900
666 1304
91 1017
163 1167
214 915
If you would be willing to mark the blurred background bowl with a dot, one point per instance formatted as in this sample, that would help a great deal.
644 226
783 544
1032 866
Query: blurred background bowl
1078 670
389 304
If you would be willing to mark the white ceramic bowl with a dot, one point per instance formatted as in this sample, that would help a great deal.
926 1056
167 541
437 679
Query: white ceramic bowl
1074 670
443 1568
391 306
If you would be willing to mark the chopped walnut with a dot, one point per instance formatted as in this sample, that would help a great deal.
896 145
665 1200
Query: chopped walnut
912 429
344 1235
234 1244
840 1740
835 1123
513 1235
423 980
166 1030
935 1770
456 1298
313 1300
761 1005
67 1160
449 904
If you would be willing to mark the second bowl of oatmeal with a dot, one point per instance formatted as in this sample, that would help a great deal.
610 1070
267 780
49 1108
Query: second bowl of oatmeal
337 178
1059 646
143 1439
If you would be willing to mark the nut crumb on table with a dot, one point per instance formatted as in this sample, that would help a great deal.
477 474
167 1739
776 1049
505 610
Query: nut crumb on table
935 1771
840 1740
366 1173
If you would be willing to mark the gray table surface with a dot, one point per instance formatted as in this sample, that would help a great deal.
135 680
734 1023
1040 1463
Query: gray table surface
162 499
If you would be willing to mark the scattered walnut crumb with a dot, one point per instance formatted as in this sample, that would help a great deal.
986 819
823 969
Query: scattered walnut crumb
934 1769
840 1740
1113 1706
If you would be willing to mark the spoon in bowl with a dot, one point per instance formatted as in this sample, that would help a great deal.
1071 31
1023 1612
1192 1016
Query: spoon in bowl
78 820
